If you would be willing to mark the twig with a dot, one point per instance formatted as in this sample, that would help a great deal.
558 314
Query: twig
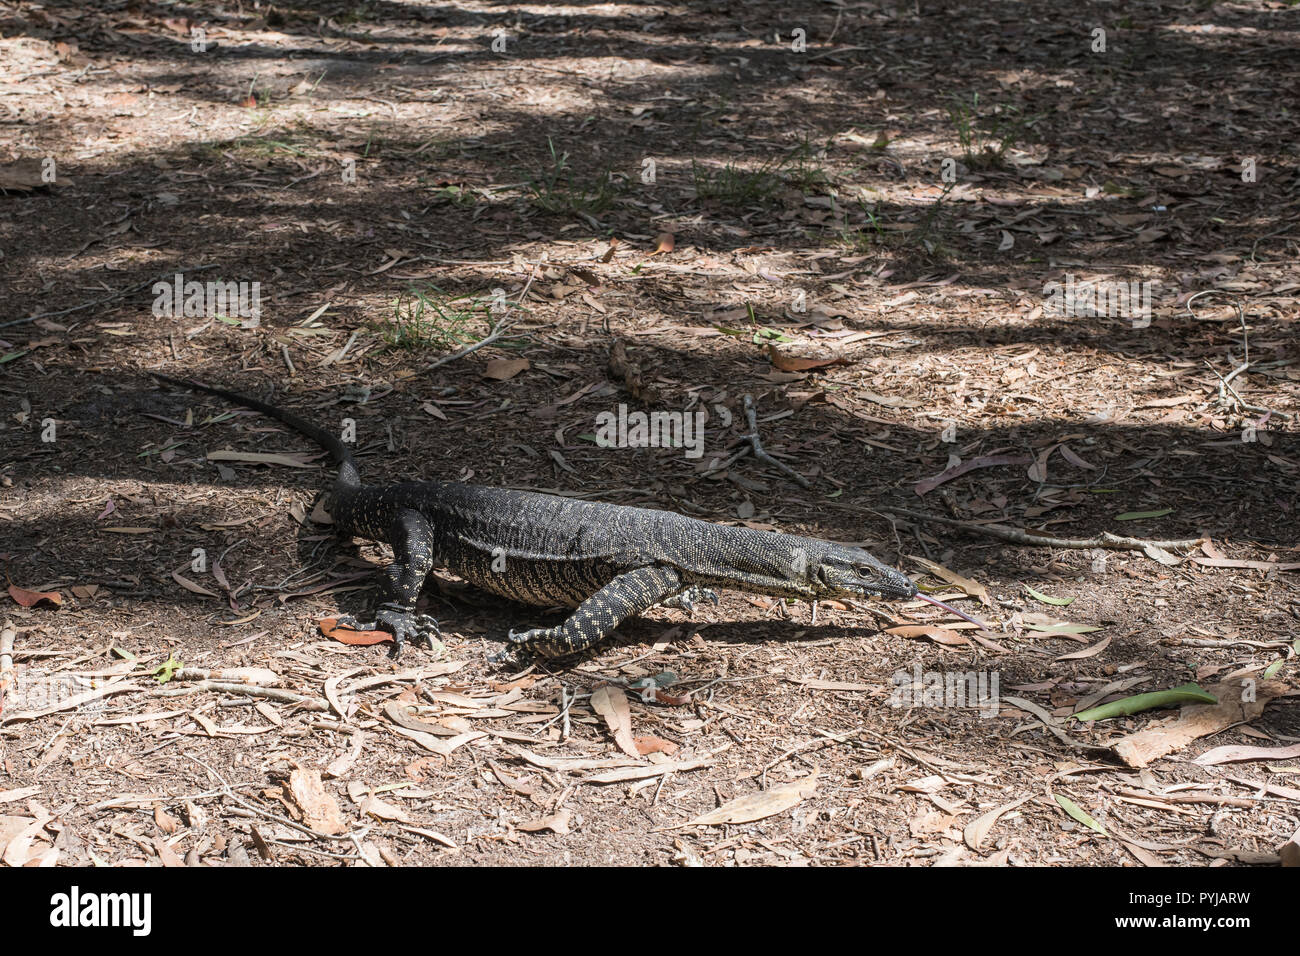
250 690
115 295
1225 383
1016 536
757 445
501 326
804 747
229 793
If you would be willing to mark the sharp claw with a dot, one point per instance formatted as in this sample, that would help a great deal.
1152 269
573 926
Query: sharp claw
402 624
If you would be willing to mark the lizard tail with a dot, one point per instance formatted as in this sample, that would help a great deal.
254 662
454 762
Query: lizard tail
349 478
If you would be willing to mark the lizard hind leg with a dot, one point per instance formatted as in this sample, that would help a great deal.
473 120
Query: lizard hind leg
596 618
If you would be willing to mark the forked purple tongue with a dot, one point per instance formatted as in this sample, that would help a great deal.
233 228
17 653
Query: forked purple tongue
951 610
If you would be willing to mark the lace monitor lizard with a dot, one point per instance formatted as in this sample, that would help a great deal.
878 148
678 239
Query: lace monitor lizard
607 562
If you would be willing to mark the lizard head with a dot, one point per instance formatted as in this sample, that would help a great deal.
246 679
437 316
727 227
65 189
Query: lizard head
851 572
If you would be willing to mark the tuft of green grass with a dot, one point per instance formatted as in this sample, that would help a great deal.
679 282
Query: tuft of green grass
986 135
455 194
557 190
735 185
802 169
864 238
431 318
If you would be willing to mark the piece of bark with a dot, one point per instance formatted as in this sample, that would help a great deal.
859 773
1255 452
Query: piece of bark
1197 720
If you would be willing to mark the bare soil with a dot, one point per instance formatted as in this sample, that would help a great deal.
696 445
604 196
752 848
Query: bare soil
353 157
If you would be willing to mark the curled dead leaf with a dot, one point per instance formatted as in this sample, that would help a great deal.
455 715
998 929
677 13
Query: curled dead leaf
32 598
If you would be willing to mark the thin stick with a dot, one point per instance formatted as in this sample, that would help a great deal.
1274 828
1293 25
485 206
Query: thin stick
498 329
249 690
757 445
229 793
1227 383
1016 536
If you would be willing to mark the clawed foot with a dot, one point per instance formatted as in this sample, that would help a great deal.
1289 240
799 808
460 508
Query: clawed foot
404 625
509 656
537 642
685 600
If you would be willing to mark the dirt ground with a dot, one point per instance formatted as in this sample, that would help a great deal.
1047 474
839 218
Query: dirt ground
852 212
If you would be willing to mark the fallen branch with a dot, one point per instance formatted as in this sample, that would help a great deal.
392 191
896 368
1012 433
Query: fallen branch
250 690
757 446
245 675
1016 536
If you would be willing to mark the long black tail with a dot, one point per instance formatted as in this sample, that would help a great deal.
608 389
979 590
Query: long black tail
349 478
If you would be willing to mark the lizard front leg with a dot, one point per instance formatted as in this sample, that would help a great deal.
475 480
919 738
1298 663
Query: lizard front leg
412 561
597 617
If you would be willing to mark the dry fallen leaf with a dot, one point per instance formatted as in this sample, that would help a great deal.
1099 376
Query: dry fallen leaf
979 828
940 635
380 810
654 745
1237 754
343 762
968 587
330 627
1197 720
611 703
502 369
557 822
189 585
1087 651
758 806
166 822
1290 850
664 242
32 598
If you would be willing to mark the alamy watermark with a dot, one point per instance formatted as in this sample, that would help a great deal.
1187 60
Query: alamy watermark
976 690
76 909
194 299
624 429
34 690
1074 298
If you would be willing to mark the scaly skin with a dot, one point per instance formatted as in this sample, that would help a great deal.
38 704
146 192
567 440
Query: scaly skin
608 562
